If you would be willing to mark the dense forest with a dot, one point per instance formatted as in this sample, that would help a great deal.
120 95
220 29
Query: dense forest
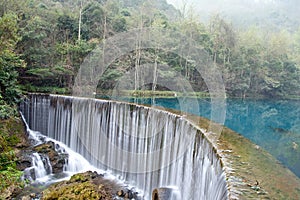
44 42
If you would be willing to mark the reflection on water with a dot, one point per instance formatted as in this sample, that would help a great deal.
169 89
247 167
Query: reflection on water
272 124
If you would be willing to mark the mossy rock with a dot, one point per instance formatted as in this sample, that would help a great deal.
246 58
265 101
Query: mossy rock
85 190
45 148
80 186
78 178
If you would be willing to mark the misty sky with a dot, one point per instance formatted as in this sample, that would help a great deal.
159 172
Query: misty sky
174 2
213 3
221 5
241 12
204 8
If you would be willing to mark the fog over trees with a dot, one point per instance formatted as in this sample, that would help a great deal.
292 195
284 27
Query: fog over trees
269 14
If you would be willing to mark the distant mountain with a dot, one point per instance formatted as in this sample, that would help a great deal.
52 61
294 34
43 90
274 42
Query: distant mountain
269 14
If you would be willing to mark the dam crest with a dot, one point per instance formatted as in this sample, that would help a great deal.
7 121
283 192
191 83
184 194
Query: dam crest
146 147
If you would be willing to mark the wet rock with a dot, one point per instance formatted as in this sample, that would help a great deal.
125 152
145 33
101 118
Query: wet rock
295 146
256 188
57 160
162 194
129 194
24 160
261 193
26 198
10 192
120 193
29 174
31 191
32 195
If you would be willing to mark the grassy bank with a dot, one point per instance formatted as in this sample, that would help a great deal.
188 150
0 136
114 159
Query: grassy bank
11 138
150 93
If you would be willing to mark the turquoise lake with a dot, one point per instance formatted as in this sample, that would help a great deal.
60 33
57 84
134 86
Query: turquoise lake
272 124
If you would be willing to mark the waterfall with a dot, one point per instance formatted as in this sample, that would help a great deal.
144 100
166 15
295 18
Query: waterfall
146 147
41 165
41 169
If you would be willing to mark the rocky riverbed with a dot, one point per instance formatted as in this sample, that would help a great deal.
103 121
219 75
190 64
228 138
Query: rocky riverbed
87 185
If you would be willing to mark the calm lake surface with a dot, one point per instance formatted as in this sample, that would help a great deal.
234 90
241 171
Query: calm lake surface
272 124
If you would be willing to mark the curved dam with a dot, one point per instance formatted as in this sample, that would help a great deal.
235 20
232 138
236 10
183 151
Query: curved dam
146 147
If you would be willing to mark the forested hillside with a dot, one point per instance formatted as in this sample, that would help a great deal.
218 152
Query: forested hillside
44 42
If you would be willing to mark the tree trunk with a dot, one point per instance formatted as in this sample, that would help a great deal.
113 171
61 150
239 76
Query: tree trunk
79 23
138 58
154 75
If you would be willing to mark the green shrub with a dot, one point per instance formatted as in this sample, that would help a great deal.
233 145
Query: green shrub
11 130
9 177
7 111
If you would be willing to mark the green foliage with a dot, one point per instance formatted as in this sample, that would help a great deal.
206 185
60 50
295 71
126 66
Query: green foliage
53 43
10 130
45 89
6 111
67 27
119 24
10 177
8 32
9 63
93 19
7 160
7 141
41 72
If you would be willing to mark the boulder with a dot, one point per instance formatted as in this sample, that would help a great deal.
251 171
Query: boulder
24 160
162 194
80 186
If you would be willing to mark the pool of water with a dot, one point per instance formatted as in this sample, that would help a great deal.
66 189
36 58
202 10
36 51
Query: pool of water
272 124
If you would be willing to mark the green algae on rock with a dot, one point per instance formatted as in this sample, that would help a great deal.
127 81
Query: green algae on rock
80 186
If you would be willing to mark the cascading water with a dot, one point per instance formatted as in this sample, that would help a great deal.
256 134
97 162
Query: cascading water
38 169
41 169
145 147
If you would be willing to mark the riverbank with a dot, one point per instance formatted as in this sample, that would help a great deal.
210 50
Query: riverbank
150 93
12 140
